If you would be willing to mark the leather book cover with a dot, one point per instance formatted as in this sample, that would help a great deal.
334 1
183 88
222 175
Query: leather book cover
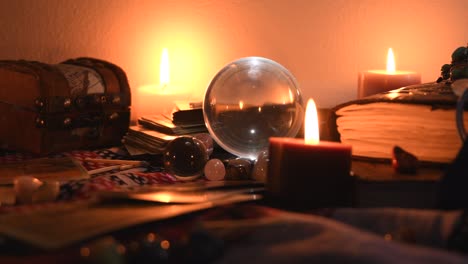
418 118
436 94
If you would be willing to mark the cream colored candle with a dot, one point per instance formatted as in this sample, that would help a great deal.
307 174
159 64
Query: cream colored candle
377 81
152 100
158 99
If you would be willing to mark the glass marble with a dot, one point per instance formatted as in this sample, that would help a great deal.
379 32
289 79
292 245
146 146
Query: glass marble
250 100
185 157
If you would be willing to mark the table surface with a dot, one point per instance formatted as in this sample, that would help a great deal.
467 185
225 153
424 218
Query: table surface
259 231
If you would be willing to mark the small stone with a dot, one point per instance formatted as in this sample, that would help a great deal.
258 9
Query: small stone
459 86
259 172
7 195
207 141
24 187
238 169
403 161
47 192
460 55
215 170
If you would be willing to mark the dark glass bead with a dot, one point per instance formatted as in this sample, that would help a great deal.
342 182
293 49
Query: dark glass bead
185 157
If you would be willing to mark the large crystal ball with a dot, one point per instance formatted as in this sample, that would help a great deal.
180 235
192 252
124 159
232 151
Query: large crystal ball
250 100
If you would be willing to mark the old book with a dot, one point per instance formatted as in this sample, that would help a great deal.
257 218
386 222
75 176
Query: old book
154 132
188 113
379 185
143 140
418 118
164 124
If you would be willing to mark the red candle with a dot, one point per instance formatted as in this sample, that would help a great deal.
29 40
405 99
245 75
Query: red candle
377 81
308 172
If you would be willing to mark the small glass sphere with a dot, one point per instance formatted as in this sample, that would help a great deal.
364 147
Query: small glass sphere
249 101
185 157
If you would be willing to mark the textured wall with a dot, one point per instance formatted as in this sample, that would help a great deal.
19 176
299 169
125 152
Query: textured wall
323 43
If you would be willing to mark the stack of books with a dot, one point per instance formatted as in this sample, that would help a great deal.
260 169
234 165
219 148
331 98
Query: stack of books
154 132
418 118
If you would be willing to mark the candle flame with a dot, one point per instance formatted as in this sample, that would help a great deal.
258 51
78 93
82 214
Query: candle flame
164 69
311 129
390 61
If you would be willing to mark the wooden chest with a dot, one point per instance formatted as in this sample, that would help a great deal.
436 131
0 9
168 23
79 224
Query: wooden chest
76 104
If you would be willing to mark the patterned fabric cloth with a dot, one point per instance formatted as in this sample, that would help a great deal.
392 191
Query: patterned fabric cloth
265 235
83 188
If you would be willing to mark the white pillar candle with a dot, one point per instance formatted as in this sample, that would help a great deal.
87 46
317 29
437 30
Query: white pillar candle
377 81
158 99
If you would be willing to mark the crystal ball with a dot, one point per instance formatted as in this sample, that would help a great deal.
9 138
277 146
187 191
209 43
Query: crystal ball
185 157
250 100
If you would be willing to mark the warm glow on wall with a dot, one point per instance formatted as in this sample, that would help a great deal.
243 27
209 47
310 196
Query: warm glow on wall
202 36
182 65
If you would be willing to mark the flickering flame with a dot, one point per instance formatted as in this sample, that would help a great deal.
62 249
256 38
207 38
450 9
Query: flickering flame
390 61
241 105
311 129
164 69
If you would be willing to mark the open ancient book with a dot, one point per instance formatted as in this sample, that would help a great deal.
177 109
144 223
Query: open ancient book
418 118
